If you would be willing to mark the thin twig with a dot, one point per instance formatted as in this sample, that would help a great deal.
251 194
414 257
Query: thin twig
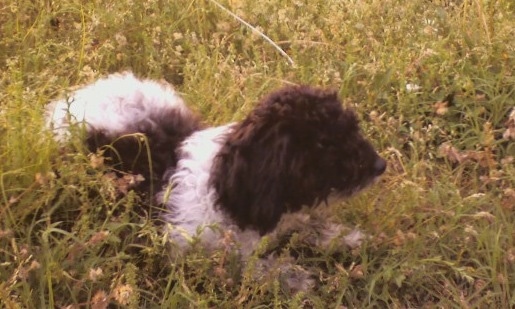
264 36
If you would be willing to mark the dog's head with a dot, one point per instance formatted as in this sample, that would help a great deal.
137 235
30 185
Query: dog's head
295 148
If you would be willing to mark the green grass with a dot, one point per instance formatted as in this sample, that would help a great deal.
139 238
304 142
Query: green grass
441 221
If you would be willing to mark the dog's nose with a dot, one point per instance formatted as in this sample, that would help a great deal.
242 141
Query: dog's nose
379 166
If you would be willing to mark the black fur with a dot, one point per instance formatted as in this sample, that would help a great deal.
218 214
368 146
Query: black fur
130 153
293 149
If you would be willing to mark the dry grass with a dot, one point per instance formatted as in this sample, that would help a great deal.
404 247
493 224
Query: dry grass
432 81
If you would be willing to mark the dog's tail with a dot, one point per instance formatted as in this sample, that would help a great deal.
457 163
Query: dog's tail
138 123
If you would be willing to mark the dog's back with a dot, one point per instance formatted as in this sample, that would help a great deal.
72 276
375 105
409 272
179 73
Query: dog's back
132 118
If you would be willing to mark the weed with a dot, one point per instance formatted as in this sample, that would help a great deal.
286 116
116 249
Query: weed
432 81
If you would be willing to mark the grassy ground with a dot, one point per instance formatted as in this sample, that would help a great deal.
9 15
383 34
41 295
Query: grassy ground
431 80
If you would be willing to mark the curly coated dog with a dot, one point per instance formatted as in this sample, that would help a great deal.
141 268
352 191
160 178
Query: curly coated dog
296 148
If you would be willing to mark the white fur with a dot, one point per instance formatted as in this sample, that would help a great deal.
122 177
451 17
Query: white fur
112 104
191 201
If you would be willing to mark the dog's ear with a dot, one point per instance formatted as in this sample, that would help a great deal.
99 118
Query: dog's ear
250 175
269 163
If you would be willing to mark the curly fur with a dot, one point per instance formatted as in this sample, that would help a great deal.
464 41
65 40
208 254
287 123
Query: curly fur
114 109
294 149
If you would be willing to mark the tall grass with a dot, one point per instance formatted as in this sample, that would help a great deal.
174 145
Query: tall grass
431 80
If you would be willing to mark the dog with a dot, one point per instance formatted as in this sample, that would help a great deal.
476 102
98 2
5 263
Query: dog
295 149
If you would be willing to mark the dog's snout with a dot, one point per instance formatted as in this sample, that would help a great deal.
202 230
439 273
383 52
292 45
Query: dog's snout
379 166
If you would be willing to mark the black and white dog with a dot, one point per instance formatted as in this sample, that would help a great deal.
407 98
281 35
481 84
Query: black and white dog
297 147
